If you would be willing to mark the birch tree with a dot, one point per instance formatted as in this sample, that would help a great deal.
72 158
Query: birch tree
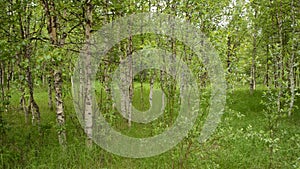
292 59
88 111
57 41
27 51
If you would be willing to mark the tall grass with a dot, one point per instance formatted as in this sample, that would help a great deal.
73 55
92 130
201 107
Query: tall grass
237 143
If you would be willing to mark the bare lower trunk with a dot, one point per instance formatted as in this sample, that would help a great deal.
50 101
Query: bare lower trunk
253 66
32 104
22 90
50 100
228 54
56 41
23 105
124 90
275 71
10 72
130 78
59 106
280 61
2 81
142 89
292 87
130 103
151 90
88 111
126 85
253 79
279 87
162 81
297 78
291 73
267 68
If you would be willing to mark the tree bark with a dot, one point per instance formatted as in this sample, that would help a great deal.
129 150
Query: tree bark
297 78
59 106
151 90
253 65
27 51
50 99
10 71
88 111
267 68
2 81
32 103
22 89
49 8
292 62
130 79
280 60
229 54
23 104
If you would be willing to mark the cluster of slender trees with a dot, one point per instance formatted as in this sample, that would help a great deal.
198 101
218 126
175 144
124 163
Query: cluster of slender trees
257 41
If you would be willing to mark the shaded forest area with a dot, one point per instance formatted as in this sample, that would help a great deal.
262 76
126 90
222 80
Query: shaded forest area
257 42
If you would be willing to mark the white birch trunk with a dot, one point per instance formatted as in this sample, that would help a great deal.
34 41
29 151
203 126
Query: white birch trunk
49 7
60 117
50 100
280 63
88 108
151 90
253 66
291 73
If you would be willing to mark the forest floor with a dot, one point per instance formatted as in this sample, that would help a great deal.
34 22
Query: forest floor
241 140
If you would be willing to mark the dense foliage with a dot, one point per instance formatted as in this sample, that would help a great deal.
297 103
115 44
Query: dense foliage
257 42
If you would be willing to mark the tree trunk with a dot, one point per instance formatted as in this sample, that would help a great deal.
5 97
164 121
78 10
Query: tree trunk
123 88
130 79
49 8
32 104
22 89
88 111
50 100
126 78
229 54
297 78
151 90
59 106
253 65
10 71
142 89
162 81
267 68
292 63
253 68
280 61
23 104
2 81
27 51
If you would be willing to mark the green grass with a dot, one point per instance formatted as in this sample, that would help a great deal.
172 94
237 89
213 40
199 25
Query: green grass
237 143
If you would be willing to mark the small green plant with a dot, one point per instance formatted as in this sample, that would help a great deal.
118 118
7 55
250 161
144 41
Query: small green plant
270 137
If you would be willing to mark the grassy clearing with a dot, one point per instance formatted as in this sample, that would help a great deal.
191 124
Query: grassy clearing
239 142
